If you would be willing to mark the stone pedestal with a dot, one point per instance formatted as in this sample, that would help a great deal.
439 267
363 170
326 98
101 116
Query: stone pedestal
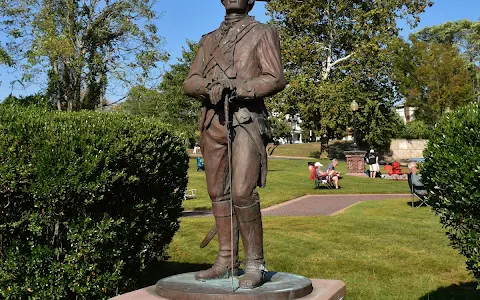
355 163
322 290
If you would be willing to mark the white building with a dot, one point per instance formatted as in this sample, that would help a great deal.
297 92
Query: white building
296 133
405 112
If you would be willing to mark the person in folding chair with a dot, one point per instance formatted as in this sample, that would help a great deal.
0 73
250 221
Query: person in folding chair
332 174
417 189
322 178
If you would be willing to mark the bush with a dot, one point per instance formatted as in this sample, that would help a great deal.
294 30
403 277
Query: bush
451 173
416 130
87 200
336 149
315 154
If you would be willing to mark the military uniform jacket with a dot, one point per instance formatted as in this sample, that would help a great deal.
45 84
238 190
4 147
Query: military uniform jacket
247 52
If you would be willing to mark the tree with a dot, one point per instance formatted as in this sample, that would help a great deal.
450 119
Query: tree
465 35
4 57
335 52
279 127
81 47
38 100
433 77
168 102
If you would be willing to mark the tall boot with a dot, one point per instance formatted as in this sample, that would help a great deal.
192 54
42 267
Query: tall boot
250 224
222 267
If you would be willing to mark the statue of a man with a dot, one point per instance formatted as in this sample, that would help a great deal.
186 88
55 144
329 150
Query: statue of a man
241 61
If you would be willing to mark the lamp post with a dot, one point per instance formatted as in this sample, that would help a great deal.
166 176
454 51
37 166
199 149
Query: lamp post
354 107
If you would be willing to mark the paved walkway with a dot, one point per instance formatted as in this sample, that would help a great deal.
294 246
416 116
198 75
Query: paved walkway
323 205
314 205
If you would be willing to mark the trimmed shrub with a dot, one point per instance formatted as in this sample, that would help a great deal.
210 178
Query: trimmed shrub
87 200
416 129
451 173
336 149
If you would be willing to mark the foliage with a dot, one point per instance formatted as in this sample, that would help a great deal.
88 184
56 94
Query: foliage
451 173
37 100
335 52
87 200
465 35
169 103
81 47
416 129
279 128
434 78
337 149
4 57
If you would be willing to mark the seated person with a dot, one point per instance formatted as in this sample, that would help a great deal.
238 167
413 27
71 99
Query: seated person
330 170
200 164
397 173
318 172
416 179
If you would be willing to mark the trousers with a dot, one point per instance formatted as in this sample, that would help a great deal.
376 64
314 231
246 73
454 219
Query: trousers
246 161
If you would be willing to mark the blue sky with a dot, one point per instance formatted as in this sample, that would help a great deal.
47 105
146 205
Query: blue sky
189 19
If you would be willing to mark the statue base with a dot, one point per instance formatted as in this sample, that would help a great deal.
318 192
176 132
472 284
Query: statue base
277 286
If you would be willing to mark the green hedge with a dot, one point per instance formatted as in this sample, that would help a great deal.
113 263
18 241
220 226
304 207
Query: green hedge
452 174
87 200
416 129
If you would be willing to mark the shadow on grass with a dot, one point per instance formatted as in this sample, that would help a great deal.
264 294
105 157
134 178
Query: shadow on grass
157 271
417 204
271 149
463 291
197 213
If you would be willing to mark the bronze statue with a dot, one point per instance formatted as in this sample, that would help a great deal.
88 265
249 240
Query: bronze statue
236 66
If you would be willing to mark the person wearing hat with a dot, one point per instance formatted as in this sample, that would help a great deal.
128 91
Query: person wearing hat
240 61
372 162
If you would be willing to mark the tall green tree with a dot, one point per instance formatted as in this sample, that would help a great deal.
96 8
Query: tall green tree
168 102
82 46
465 35
4 57
433 77
334 52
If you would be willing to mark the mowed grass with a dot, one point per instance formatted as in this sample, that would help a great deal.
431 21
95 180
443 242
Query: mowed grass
296 150
381 249
289 178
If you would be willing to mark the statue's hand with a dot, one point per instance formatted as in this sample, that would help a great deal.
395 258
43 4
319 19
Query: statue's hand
219 89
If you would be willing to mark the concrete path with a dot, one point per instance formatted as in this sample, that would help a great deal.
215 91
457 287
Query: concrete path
324 205
314 205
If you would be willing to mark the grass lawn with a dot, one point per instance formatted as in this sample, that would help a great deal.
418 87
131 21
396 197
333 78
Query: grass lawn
297 150
381 249
289 178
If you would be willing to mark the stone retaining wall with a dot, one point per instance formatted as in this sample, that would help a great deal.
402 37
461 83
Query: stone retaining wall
402 149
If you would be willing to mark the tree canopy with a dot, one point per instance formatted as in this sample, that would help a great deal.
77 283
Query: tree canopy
335 52
168 102
82 46
433 77
465 35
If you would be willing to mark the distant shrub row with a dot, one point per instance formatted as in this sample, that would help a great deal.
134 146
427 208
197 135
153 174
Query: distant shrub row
87 200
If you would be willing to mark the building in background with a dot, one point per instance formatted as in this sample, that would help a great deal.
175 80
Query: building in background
296 132
405 112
